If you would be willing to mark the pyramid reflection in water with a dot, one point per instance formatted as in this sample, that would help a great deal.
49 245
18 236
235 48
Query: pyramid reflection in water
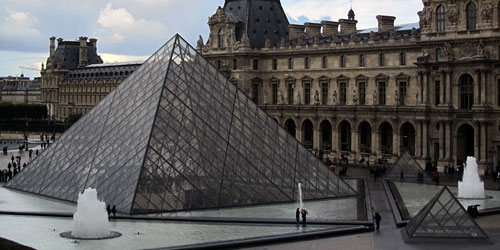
177 135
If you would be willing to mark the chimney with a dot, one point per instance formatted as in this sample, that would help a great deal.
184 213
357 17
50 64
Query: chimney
52 50
83 52
313 29
94 44
295 31
330 28
347 27
385 23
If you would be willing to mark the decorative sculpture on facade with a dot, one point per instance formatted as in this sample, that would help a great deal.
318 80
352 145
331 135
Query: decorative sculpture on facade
487 11
199 43
282 98
396 97
375 97
354 97
265 97
452 13
335 97
298 97
316 98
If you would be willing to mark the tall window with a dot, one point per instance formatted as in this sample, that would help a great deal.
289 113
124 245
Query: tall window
362 93
471 16
235 64
324 61
307 93
307 62
219 64
342 61
290 93
221 38
438 53
437 92
255 64
402 58
402 93
343 93
381 93
324 93
361 60
290 63
275 64
466 92
255 92
275 92
381 60
440 18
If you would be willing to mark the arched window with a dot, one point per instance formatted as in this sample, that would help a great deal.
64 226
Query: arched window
221 38
471 16
466 92
441 18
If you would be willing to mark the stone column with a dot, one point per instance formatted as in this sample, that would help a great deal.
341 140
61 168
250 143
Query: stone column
442 88
355 141
477 89
424 139
395 143
425 89
335 140
442 132
298 133
484 88
316 139
375 142
449 88
483 141
477 134
448 141
418 139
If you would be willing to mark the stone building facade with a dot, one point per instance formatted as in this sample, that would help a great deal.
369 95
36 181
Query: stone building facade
20 90
432 87
75 78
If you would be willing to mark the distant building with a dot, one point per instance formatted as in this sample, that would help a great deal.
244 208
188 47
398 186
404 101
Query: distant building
20 90
75 78
431 87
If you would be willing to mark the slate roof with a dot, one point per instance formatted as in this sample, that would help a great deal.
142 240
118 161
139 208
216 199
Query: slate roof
102 71
261 20
68 54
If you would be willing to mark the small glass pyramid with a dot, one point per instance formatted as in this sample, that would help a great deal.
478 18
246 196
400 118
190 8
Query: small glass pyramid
444 217
408 165
177 135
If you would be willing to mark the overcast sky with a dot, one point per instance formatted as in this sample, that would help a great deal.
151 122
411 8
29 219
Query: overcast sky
133 29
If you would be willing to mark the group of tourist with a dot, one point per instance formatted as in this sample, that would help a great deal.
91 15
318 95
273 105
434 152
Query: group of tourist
13 168
298 214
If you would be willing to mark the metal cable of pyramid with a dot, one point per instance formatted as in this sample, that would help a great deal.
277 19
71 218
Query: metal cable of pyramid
443 217
177 135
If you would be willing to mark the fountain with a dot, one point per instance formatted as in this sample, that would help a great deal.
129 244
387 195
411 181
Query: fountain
301 204
471 186
90 221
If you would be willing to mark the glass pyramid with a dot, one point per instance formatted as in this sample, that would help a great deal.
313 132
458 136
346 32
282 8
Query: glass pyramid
177 135
444 217
409 166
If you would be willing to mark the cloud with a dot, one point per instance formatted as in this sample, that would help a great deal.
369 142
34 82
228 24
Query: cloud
120 24
366 10
17 29
12 61
111 58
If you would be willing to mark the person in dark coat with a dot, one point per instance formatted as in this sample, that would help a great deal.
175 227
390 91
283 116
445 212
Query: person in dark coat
402 176
304 215
113 210
108 209
297 216
377 219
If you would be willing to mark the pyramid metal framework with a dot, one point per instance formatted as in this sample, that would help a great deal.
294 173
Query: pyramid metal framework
177 135
444 217
408 165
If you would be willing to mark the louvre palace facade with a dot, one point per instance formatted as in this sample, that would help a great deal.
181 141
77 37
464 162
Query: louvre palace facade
431 87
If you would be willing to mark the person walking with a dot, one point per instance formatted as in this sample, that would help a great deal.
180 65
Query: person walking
401 177
297 216
113 210
377 219
108 209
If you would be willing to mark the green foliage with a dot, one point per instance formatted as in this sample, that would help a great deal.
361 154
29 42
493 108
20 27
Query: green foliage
9 111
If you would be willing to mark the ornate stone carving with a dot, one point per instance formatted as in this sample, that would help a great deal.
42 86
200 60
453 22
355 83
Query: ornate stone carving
375 97
199 43
426 16
354 97
335 97
473 50
316 98
448 52
452 13
268 43
298 97
282 97
487 11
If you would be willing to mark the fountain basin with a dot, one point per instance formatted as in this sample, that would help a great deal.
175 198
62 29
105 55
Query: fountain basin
69 235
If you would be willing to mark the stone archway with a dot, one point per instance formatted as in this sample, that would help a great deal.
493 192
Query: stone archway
290 127
385 130
345 136
465 143
365 137
308 134
408 138
326 135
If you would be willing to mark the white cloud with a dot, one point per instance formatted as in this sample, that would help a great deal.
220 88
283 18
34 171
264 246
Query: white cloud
18 26
111 58
120 24
366 10
12 61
